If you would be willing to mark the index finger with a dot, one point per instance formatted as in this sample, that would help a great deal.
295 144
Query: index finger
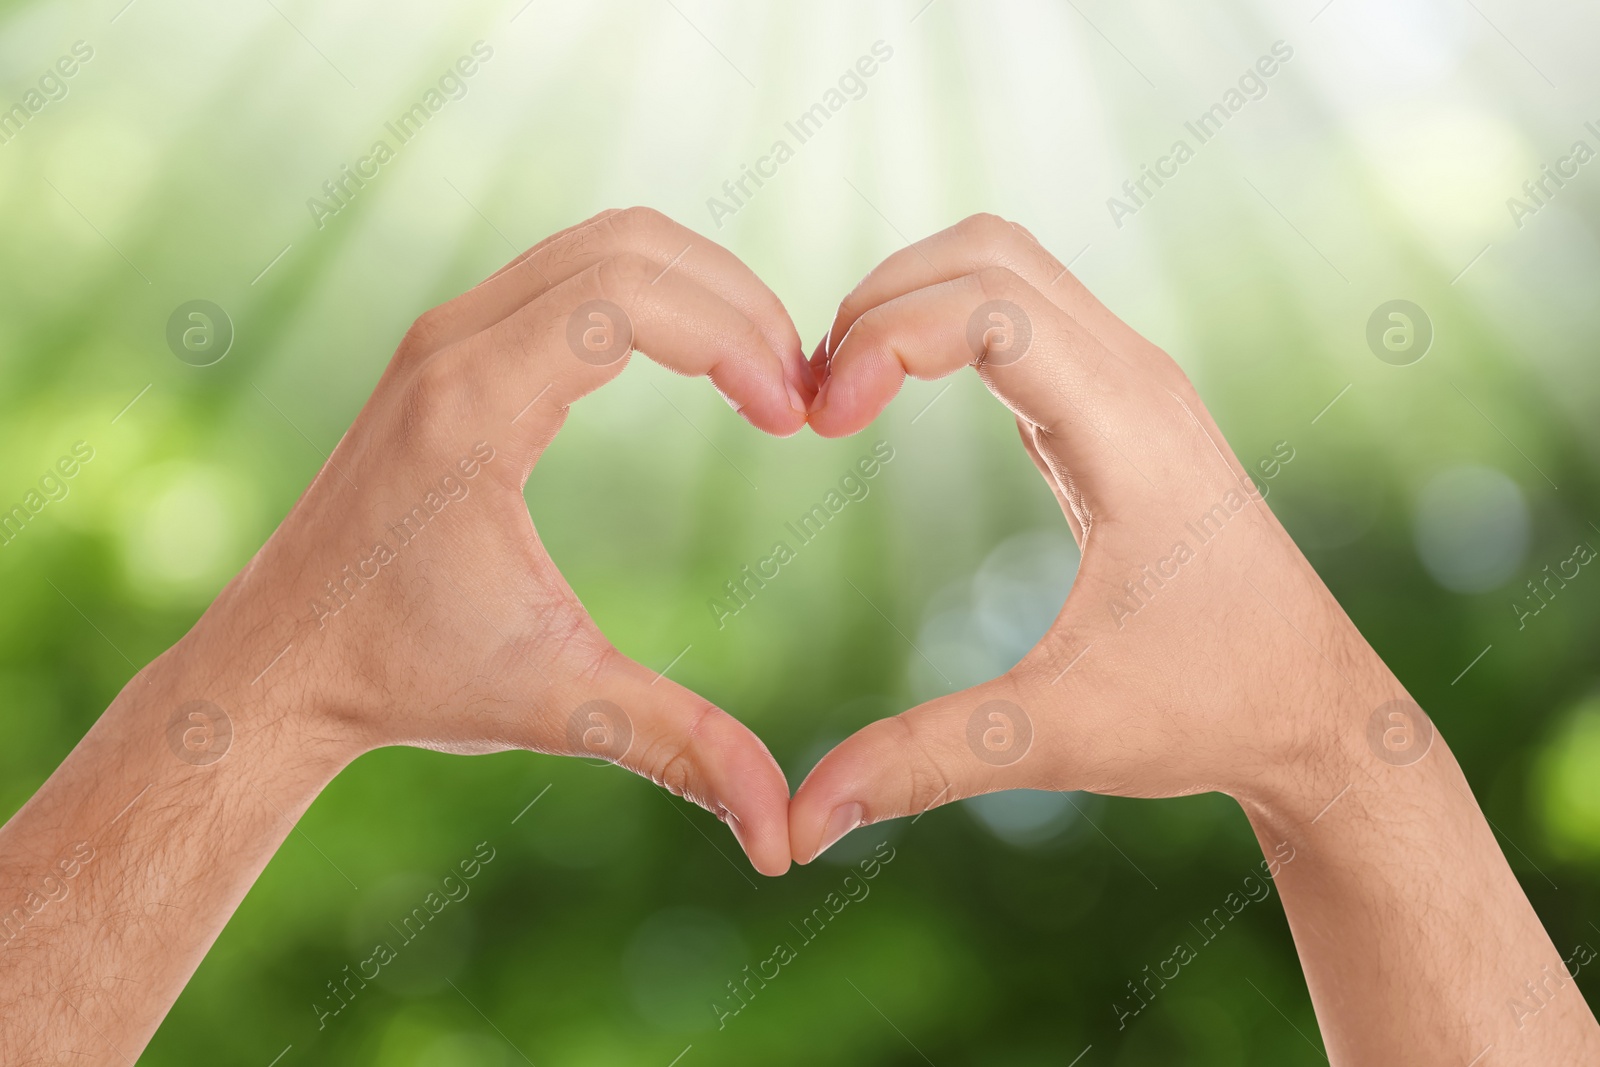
642 231
971 246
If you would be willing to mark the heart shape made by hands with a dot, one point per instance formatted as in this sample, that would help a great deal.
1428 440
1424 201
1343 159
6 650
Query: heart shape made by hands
1182 565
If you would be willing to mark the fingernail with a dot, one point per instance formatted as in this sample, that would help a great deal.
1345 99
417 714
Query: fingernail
795 401
822 397
845 817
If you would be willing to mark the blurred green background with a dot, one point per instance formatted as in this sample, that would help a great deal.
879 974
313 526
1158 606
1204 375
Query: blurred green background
176 163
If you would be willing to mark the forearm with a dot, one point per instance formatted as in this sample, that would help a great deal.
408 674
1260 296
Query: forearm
1416 939
124 867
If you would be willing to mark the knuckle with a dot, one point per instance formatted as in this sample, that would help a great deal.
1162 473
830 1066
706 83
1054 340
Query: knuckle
634 223
1000 238
985 227
434 399
640 216
998 283
926 781
624 274
426 335
575 248
676 775
598 217
597 237
672 762
1023 232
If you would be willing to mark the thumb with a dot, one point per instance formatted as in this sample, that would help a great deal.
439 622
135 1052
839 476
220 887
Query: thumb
977 741
638 719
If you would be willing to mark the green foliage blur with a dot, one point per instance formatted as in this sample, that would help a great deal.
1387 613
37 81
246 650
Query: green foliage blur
186 160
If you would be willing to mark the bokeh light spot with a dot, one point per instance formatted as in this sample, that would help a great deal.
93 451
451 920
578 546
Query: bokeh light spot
1471 528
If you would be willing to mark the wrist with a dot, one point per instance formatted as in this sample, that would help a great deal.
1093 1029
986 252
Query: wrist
207 701
1350 726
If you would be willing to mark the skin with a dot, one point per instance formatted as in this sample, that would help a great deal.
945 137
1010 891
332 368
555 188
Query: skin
467 641
1234 670
1237 673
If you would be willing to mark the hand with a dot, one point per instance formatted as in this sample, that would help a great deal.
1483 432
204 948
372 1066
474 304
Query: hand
417 602
1198 651
406 600
1197 644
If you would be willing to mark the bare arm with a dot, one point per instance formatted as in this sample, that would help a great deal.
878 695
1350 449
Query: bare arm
1198 651
124 867
405 600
